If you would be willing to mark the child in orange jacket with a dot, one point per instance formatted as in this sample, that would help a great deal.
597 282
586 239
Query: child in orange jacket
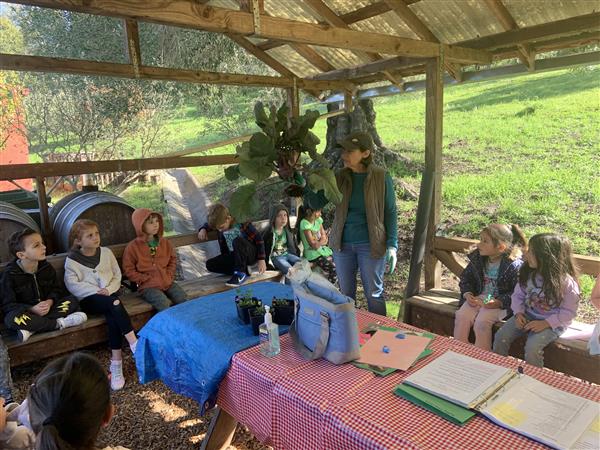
149 261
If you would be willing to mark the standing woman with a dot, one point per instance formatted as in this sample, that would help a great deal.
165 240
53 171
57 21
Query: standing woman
364 234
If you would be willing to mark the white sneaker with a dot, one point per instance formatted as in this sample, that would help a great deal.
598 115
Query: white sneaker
72 320
117 380
24 335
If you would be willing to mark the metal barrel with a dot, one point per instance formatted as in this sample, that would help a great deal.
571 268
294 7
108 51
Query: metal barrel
12 218
110 212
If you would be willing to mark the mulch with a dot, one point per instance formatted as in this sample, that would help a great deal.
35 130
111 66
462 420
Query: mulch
148 416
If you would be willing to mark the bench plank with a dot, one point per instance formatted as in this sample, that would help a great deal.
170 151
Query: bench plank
94 331
434 311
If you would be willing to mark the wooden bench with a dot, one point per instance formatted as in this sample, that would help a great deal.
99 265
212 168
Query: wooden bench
94 331
434 311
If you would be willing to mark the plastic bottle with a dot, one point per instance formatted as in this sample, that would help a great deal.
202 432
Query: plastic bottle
269 336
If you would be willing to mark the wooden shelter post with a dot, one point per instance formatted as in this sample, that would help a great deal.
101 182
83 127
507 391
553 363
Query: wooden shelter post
44 216
434 105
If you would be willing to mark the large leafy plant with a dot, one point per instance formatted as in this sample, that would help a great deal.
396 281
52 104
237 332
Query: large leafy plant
278 148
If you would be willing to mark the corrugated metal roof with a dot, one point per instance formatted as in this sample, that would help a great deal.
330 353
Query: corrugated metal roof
450 21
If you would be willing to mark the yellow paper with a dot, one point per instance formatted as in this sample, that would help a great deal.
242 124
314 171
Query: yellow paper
402 352
595 426
508 414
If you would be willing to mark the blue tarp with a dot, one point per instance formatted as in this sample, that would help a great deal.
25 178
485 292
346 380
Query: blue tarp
189 346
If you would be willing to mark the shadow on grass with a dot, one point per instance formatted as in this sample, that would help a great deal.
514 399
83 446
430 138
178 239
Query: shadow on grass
523 89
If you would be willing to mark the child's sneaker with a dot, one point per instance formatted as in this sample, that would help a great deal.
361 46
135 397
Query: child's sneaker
117 380
237 279
24 335
72 320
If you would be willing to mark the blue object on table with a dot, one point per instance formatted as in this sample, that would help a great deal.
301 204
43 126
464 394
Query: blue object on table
189 346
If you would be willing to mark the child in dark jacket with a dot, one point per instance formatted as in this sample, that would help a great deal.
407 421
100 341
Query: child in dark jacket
33 299
150 262
487 283
281 250
240 243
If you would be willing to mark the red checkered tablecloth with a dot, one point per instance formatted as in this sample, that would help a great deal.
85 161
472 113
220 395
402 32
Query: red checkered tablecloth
291 403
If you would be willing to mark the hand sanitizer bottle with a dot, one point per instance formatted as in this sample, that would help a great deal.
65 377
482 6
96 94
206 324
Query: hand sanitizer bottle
269 336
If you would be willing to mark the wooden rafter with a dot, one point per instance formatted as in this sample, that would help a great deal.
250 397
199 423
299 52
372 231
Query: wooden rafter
565 33
313 57
366 69
372 10
572 25
82 67
321 9
303 50
192 15
524 51
19 171
263 56
132 45
401 9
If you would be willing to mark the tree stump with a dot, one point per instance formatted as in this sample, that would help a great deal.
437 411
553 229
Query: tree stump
362 118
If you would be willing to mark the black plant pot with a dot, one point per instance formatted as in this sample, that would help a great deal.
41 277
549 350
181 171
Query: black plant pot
283 314
243 312
255 321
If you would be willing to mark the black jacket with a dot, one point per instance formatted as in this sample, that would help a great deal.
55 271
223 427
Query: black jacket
291 243
20 290
471 279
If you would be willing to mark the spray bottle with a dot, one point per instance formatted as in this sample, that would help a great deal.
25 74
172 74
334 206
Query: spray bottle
269 335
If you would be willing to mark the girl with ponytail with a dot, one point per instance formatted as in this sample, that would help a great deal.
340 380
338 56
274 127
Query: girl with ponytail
487 283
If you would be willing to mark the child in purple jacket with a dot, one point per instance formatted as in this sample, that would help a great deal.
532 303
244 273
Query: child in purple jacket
545 300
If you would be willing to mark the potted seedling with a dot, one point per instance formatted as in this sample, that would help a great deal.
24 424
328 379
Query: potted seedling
283 310
257 316
244 302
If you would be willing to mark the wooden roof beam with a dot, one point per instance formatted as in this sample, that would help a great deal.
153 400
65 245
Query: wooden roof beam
401 9
192 15
383 65
303 50
524 51
572 25
19 171
83 67
372 10
132 45
319 8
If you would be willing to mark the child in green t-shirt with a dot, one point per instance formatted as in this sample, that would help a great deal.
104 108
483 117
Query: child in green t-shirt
314 241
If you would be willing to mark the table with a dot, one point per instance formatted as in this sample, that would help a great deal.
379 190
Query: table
291 403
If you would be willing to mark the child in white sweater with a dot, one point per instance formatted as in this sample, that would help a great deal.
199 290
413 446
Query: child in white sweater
93 276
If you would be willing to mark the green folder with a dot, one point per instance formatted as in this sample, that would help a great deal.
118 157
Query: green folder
443 408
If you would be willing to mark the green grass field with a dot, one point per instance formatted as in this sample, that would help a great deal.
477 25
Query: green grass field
524 150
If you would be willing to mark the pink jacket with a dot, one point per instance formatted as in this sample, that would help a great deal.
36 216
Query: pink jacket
140 266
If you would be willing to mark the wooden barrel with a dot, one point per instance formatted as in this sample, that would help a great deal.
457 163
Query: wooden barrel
110 212
12 218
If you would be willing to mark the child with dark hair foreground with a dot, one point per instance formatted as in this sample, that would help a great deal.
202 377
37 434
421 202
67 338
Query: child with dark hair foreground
92 274
150 262
240 243
69 403
545 300
33 299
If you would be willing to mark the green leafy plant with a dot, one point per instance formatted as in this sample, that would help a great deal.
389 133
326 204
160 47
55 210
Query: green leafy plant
278 148
282 302
259 311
